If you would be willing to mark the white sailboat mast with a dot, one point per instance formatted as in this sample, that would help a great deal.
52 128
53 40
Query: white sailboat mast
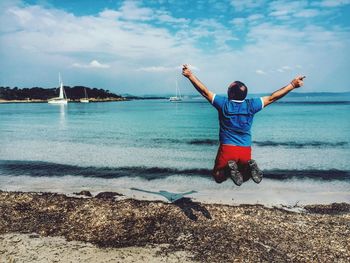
61 96
178 94
176 88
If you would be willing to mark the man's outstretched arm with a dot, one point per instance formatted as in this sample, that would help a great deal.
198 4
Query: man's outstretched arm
202 89
296 83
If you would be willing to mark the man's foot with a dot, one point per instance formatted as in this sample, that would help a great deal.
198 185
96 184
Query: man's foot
235 175
257 174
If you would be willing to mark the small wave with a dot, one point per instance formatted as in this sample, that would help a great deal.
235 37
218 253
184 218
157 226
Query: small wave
166 141
47 169
335 102
203 142
268 143
184 141
331 174
315 144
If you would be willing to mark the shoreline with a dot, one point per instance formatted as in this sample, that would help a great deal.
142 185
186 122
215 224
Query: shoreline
2 101
269 193
199 232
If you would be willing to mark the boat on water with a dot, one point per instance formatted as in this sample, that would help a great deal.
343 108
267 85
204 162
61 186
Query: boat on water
178 97
62 98
85 99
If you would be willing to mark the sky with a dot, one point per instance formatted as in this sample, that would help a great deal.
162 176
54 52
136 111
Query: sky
138 47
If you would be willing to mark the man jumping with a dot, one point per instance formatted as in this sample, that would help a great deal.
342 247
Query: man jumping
236 118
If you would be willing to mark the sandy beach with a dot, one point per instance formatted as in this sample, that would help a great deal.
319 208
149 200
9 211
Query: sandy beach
50 227
33 248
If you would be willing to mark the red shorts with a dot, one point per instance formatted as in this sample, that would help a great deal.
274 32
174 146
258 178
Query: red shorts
240 154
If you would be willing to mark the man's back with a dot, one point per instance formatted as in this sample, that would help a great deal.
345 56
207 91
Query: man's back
236 119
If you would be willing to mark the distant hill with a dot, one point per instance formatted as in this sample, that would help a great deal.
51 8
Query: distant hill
37 93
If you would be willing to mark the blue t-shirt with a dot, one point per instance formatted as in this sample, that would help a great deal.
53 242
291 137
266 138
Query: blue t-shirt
236 119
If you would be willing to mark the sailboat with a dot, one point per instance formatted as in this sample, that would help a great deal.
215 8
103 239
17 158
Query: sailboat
62 98
177 98
85 100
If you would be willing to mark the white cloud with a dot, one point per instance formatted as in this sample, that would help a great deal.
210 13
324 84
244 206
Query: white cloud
130 10
54 31
206 30
110 14
285 10
241 5
165 17
307 13
255 17
92 64
260 72
332 3
284 69
282 9
239 21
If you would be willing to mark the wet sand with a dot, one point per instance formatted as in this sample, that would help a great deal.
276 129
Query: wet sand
109 228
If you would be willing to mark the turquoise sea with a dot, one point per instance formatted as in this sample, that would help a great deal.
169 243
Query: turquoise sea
302 143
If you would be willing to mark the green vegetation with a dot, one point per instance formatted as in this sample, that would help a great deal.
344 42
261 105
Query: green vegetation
37 93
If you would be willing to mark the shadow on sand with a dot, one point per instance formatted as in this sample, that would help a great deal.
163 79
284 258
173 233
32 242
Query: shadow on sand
184 203
189 207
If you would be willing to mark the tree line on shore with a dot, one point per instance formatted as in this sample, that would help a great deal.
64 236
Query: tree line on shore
38 93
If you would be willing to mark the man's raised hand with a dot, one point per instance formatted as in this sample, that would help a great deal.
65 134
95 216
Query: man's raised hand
186 71
298 81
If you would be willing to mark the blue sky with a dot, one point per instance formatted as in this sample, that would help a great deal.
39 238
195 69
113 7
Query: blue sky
137 47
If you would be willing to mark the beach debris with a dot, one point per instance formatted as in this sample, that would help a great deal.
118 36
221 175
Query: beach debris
34 235
331 209
207 232
84 193
107 195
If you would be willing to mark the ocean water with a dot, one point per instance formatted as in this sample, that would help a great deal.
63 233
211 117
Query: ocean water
302 143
